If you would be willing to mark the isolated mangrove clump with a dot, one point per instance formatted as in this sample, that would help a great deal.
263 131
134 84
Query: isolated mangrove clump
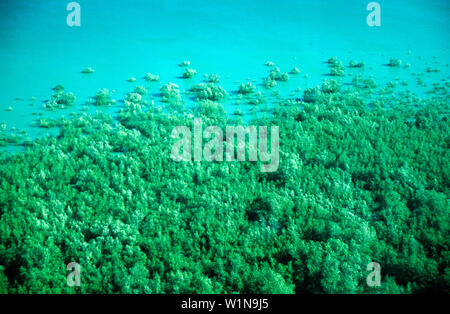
270 64
104 98
246 88
238 112
88 70
185 63
209 91
170 92
362 177
295 70
10 139
131 79
58 88
256 99
269 82
363 82
394 62
189 73
330 86
141 90
213 78
47 123
277 75
60 100
151 77
431 70
355 64
3 134
284 77
337 69
209 108
134 98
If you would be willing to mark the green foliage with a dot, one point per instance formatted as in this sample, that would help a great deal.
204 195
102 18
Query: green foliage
104 98
47 123
238 112
58 88
151 77
170 93
355 64
141 90
185 63
246 88
214 78
189 73
277 75
134 98
330 86
312 94
337 69
88 70
431 70
359 81
394 62
295 70
60 100
333 61
269 82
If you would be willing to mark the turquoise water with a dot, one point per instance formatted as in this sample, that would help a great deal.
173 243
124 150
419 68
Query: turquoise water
122 39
